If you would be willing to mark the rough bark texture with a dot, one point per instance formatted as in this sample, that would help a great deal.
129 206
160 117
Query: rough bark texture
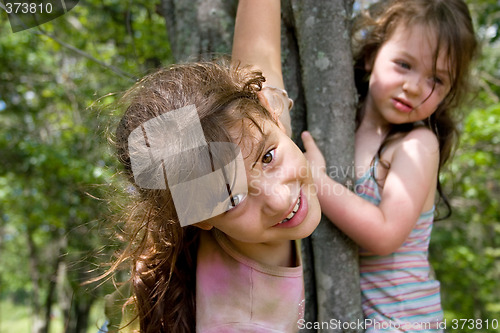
327 79
317 68
199 28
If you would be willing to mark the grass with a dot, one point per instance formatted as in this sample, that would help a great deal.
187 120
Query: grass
17 318
14 318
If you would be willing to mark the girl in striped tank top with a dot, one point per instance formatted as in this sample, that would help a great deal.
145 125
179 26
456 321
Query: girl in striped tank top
412 65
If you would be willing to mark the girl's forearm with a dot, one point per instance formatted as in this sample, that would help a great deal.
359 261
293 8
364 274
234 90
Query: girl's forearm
257 38
257 42
359 219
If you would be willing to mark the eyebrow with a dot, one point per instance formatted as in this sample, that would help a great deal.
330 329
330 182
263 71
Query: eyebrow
440 71
260 149
260 146
407 54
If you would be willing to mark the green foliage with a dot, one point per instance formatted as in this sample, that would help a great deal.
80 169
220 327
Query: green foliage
487 71
465 250
56 166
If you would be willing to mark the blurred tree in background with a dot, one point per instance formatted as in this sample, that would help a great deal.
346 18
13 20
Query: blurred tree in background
56 166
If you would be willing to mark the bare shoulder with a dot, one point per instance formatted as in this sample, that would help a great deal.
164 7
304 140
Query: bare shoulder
422 134
420 140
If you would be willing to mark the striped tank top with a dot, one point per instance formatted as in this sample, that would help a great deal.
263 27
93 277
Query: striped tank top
398 294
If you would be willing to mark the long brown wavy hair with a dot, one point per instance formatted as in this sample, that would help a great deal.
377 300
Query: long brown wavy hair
451 21
161 253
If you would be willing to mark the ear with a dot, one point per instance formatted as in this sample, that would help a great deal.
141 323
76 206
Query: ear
203 225
264 101
369 60
277 109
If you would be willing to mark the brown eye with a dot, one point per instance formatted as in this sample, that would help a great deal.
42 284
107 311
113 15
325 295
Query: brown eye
268 157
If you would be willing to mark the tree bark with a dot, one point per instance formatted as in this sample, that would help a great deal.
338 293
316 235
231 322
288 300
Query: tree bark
42 310
199 28
323 35
51 288
38 324
318 75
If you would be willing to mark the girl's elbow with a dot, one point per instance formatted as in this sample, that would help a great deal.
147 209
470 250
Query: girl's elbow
382 251
385 239
384 247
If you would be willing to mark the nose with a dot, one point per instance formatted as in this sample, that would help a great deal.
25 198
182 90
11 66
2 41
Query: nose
277 199
282 187
412 84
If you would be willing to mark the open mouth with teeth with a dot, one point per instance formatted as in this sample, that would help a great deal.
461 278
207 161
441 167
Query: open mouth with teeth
292 214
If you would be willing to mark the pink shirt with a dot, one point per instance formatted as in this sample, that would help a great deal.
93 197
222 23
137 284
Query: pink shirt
236 293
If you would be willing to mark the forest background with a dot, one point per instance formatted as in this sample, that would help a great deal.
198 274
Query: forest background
56 166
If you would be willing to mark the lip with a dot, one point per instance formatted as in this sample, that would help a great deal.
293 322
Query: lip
402 105
299 217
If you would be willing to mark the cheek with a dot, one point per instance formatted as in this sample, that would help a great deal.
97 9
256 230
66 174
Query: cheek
296 167
377 87
435 99
388 76
305 171
255 182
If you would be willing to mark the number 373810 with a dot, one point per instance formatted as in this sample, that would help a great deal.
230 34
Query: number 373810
28 8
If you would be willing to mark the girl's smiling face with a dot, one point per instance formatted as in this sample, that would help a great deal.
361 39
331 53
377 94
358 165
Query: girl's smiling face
405 86
281 203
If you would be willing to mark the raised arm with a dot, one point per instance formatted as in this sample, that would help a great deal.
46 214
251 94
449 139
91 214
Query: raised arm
408 191
257 38
257 42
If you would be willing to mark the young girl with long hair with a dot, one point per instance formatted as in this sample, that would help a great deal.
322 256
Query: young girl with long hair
218 254
412 69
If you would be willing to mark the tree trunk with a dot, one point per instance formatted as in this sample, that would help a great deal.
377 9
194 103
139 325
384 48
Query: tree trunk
74 299
81 312
323 35
51 289
65 295
38 324
199 28
318 75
